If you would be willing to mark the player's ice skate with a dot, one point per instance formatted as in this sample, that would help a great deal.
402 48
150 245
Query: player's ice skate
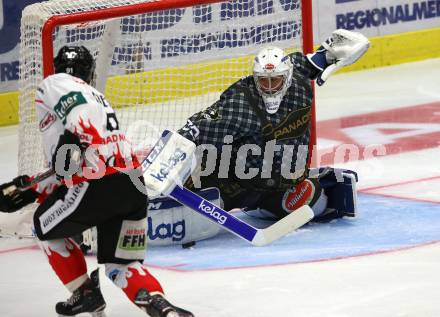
158 306
86 299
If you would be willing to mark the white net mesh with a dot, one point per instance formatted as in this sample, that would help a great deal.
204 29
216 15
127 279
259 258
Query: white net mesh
156 68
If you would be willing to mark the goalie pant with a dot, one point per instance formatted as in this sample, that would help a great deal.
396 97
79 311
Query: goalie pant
118 210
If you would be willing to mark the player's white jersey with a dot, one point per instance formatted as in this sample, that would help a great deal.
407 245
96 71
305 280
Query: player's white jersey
66 102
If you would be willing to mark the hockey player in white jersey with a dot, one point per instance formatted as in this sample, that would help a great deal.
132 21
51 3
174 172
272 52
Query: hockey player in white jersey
75 117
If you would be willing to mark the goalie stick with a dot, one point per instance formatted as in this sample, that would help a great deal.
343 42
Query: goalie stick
256 236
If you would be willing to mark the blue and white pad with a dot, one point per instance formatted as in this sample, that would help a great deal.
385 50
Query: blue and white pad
170 222
340 187
168 164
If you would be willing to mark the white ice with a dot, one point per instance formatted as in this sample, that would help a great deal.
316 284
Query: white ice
403 283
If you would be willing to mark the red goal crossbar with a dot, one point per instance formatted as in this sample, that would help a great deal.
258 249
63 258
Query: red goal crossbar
109 13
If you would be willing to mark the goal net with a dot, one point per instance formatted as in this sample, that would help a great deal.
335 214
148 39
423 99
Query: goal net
158 62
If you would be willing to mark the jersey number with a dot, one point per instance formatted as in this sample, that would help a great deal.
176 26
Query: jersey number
112 121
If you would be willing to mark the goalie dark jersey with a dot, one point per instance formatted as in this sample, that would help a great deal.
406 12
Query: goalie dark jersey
240 112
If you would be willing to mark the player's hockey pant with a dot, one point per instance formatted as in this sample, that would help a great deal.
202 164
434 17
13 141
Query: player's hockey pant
112 204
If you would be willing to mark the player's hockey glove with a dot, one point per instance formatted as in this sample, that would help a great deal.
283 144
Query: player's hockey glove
67 157
14 196
342 48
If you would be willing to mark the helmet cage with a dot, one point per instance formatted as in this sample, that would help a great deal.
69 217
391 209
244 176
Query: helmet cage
272 73
271 84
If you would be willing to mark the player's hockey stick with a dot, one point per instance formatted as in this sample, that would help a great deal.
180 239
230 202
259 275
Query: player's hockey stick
37 179
27 185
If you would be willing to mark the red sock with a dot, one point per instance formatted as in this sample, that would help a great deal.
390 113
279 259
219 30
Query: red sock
132 277
141 278
67 261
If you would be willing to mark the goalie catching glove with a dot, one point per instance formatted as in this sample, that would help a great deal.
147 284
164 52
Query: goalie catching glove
13 198
342 48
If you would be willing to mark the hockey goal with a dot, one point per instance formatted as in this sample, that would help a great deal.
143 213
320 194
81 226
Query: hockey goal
157 61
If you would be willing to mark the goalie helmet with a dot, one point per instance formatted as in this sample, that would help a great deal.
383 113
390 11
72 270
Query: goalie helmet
76 61
272 72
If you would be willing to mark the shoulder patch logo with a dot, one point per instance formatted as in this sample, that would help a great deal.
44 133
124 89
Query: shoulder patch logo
67 103
47 121
210 113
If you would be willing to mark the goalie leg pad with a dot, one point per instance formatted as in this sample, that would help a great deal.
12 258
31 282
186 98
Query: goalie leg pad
282 203
169 222
131 278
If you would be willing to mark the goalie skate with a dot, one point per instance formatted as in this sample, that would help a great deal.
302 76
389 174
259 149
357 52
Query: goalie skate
158 306
86 299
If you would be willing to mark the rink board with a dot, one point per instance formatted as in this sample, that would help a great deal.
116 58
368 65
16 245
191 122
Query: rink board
384 224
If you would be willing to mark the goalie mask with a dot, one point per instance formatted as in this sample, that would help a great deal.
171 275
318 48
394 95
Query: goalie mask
272 72
76 61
